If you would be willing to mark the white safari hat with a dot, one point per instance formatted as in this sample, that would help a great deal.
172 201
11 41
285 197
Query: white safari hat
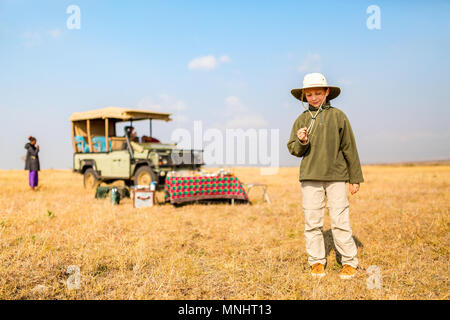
315 80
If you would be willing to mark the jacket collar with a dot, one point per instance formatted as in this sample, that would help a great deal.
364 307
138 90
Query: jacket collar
326 105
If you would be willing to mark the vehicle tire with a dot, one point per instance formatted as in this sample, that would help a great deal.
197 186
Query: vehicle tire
144 176
90 179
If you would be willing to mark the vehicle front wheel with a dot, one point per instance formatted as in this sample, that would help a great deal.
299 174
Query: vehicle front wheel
144 176
90 179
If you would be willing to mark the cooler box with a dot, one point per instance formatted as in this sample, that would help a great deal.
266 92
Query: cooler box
142 197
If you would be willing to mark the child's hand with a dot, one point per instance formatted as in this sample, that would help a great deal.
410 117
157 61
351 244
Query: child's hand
302 134
353 187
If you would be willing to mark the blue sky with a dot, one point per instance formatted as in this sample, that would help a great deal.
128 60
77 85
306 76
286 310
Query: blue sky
394 80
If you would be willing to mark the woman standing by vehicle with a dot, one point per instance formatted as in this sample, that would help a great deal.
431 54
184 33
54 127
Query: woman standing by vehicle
32 162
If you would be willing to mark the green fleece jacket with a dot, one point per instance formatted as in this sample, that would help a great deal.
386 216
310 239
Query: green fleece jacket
330 153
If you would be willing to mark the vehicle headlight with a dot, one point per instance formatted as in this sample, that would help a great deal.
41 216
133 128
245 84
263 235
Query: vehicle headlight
163 161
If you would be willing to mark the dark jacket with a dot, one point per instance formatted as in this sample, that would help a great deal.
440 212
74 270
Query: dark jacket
330 153
32 160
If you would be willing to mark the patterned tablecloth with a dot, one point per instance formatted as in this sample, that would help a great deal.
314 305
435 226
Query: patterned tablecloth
187 189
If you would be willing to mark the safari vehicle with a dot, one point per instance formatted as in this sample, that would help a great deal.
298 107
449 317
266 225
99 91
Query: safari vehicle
101 155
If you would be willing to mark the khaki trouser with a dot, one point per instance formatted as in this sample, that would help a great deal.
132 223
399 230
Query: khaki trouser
314 193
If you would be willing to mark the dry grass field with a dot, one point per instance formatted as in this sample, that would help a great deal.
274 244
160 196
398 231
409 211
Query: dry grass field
400 219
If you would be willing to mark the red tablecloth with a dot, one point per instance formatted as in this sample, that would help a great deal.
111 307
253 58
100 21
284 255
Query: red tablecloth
187 189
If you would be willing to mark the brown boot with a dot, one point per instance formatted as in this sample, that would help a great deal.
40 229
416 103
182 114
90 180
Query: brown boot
318 270
347 272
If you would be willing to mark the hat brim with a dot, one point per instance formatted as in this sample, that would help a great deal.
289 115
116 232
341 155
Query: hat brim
334 92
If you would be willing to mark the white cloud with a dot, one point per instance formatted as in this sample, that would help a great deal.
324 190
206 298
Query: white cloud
31 39
312 63
35 38
225 59
232 101
163 103
171 103
239 116
55 33
179 105
180 118
207 63
234 105
246 121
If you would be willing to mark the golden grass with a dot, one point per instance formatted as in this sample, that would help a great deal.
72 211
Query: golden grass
400 218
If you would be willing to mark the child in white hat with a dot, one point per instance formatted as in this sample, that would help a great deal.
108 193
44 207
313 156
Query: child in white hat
322 135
